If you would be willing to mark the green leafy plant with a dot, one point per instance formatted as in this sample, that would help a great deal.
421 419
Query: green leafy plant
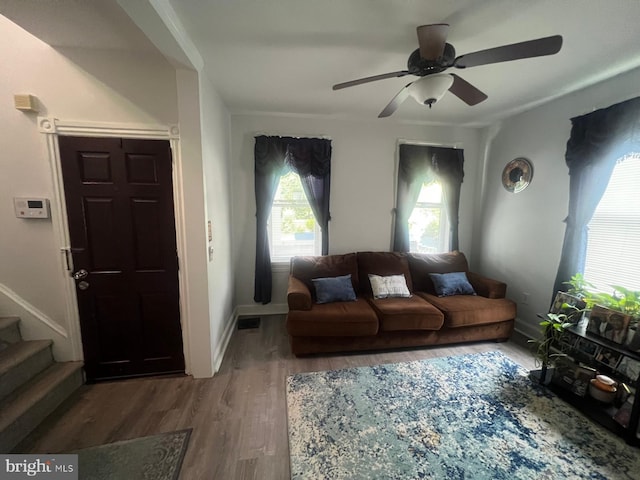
579 286
622 299
553 327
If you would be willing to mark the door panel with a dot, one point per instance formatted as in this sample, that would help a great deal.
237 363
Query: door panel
119 197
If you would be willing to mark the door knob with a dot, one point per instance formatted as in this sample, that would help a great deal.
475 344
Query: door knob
80 274
83 285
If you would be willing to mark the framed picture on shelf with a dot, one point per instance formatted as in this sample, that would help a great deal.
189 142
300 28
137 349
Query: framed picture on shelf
633 339
629 367
587 347
610 324
568 305
572 376
623 415
608 357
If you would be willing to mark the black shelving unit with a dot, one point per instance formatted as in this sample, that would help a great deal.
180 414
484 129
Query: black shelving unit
598 411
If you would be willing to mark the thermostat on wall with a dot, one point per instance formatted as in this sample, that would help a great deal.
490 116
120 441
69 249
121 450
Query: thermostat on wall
31 207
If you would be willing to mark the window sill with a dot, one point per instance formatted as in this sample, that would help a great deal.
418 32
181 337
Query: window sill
280 267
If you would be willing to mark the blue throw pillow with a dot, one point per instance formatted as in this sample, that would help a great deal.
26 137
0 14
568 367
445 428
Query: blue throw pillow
454 283
334 289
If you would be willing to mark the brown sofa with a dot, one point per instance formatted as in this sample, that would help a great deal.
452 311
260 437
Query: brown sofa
368 323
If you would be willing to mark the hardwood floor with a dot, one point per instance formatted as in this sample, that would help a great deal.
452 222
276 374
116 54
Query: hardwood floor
238 417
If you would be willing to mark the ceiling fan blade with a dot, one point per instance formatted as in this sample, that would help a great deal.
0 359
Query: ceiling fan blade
531 48
465 91
431 39
360 81
393 105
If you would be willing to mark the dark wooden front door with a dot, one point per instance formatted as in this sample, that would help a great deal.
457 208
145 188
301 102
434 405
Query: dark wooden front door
119 196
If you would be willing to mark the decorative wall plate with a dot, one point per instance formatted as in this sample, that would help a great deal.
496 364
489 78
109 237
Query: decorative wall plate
517 175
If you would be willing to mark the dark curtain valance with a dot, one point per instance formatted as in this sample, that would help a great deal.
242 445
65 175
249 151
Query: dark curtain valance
310 158
604 135
418 160
305 156
416 163
598 140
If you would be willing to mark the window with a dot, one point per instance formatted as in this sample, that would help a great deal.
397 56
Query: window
614 230
292 227
428 225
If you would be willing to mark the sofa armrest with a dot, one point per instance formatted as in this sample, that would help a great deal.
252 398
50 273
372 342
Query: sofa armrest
298 294
487 287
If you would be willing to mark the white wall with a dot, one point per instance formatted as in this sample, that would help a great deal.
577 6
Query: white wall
363 181
104 86
520 235
216 153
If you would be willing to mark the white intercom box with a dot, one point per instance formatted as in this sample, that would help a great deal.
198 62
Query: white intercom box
31 207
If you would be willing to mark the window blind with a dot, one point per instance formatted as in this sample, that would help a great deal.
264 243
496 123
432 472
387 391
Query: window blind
613 251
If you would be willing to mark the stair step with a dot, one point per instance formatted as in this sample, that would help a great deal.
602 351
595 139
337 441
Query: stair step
24 409
9 331
22 361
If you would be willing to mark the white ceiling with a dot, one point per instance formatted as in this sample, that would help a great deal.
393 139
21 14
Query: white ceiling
283 56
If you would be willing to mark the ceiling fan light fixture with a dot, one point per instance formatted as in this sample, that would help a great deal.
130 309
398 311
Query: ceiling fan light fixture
428 90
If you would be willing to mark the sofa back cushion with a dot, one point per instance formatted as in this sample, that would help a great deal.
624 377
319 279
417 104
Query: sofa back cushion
422 264
307 268
382 264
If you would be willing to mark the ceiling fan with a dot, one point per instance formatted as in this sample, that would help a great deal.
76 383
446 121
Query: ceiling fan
435 55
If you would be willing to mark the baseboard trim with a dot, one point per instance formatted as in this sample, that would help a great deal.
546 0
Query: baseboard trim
221 347
268 309
526 329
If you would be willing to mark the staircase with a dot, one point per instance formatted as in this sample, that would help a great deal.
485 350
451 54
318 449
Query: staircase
32 384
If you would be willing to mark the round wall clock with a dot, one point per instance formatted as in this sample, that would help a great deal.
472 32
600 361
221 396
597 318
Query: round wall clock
517 175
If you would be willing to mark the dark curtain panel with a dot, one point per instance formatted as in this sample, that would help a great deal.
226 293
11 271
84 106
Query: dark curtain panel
448 163
311 159
269 164
416 163
598 140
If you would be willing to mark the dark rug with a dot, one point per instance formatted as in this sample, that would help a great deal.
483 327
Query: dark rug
157 457
470 417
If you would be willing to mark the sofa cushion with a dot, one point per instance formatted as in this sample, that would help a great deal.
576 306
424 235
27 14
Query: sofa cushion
389 286
454 283
334 289
422 264
464 310
307 268
337 319
382 264
413 313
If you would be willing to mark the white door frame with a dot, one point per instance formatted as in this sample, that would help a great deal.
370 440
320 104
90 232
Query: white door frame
52 128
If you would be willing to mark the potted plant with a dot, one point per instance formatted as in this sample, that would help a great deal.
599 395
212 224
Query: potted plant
553 327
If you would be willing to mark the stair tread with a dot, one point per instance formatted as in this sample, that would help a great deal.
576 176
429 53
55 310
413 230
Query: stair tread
21 400
17 353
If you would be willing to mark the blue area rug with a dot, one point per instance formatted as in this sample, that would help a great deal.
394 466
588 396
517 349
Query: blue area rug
467 417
